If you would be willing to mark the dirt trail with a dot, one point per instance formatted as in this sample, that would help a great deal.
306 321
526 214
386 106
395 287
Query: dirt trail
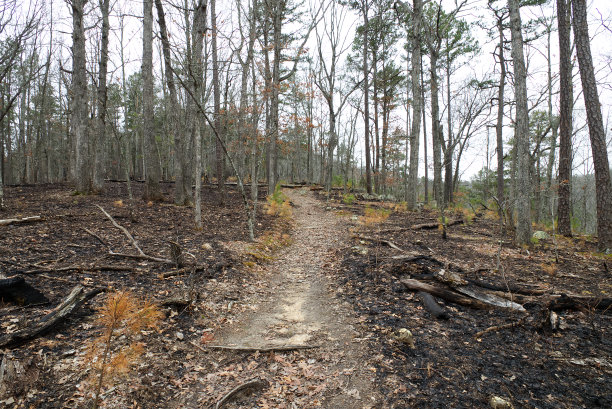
303 310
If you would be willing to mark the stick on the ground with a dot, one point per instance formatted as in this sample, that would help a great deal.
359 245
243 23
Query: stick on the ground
101 267
124 230
500 327
253 383
382 241
431 226
141 254
77 297
31 219
269 348
141 257
95 235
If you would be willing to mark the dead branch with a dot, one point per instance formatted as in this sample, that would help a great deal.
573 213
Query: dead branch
500 327
76 298
490 299
141 254
445 294
181 271
579 302
124 230
431 226
270 348
513 288
103 267
141 257
432 306
31 219
95 236
253 383
382 241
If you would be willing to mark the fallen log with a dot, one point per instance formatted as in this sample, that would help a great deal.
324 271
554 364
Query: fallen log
432 306
512 288
16 290
490 299
579 302
76 298
445 294
31 219
431 226
413 256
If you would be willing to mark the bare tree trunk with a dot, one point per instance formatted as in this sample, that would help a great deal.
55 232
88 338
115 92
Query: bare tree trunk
436 132
565 117
499 126
182 186
199 31
523 206
217 101
83 174
426 175
152 189
366 98
416 110
549 196
100 140
596 128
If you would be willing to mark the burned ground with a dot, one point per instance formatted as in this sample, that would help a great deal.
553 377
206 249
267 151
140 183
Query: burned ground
529 364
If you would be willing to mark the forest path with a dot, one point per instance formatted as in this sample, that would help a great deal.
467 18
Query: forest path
302 309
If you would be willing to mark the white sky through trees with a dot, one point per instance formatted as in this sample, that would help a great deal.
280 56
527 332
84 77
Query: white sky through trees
481 66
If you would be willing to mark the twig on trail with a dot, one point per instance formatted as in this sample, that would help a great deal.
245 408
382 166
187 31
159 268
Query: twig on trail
197 346
95 235
141 254
31 219
271 348
500 327
253 383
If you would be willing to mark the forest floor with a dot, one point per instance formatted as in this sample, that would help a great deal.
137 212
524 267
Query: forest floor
312 309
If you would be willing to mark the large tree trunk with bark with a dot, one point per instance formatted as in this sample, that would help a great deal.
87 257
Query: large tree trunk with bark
565 117
366 99
99 150
219 160
597 134
436 132
82 174
499 126
521 130
197 70
415 130
152 189
182 186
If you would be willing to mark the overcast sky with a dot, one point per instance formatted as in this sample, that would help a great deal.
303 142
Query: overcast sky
479 66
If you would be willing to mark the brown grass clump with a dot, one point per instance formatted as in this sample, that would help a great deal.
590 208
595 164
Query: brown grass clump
121 315
550 269
374 216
